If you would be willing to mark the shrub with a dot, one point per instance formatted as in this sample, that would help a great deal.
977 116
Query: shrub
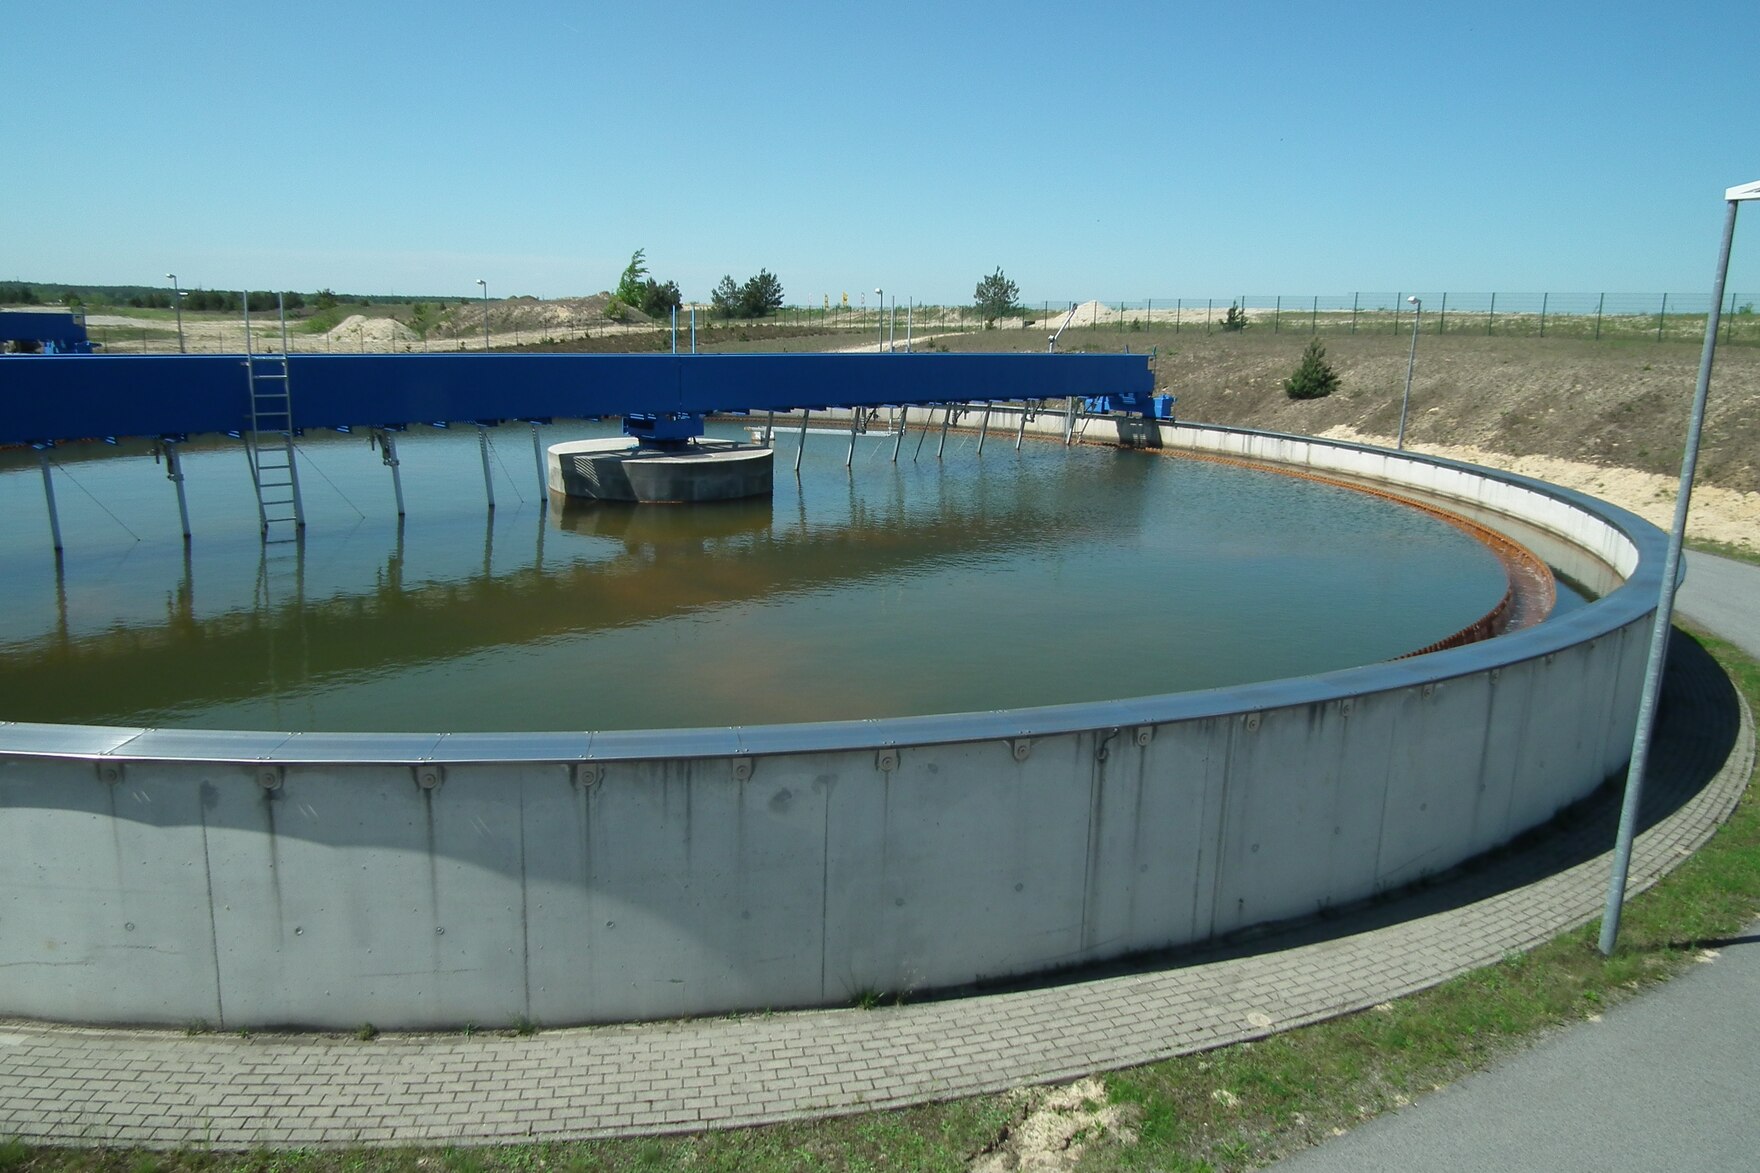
1235 318
1314 377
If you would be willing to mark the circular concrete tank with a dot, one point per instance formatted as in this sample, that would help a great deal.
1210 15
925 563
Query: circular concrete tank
241 878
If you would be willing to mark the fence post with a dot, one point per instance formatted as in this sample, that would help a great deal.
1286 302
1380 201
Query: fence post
1492 320
1354 298
1544 298
1442 319
1661 317
1277 314
1729 322
1207 307
1599 306
1178 304
1398 299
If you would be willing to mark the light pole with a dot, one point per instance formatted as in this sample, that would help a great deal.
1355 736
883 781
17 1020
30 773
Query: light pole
177 304
879 320
1417 312
485 286
1628 811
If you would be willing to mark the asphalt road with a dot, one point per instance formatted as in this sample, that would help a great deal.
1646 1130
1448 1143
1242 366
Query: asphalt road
1670 1080
1723 596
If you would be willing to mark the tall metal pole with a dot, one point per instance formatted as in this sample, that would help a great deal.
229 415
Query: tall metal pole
1411 361
176 304
892 325
485 286
1628 812
879 320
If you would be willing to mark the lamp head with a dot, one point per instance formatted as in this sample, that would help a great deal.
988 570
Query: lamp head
171 276
1414 301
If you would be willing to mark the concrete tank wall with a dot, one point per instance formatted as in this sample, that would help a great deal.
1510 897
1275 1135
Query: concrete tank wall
257 879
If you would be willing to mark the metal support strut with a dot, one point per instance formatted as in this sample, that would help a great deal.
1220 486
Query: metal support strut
806 414
983 427
904 422
174 474
543 475
855 421
387 441
483 448
1021 432
49 496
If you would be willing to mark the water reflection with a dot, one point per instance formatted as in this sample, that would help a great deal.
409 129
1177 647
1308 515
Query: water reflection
1044 576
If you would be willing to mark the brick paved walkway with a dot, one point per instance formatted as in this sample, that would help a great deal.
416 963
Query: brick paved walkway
77 1086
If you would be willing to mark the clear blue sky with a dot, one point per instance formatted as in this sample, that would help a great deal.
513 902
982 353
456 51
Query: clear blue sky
1092 150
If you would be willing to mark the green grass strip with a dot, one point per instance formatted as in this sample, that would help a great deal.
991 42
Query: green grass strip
1237 1107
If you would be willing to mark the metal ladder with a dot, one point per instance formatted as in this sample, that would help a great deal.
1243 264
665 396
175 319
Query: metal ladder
268 444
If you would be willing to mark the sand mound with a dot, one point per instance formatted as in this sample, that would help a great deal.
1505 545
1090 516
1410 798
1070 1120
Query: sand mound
358 328
1716 514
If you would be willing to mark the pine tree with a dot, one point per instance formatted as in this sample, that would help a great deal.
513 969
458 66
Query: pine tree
1314 377
996 297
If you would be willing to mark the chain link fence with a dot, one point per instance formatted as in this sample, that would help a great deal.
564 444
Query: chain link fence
1656 317
1659 317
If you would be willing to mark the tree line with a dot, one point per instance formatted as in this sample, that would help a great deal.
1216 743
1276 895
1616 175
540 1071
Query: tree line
756 297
